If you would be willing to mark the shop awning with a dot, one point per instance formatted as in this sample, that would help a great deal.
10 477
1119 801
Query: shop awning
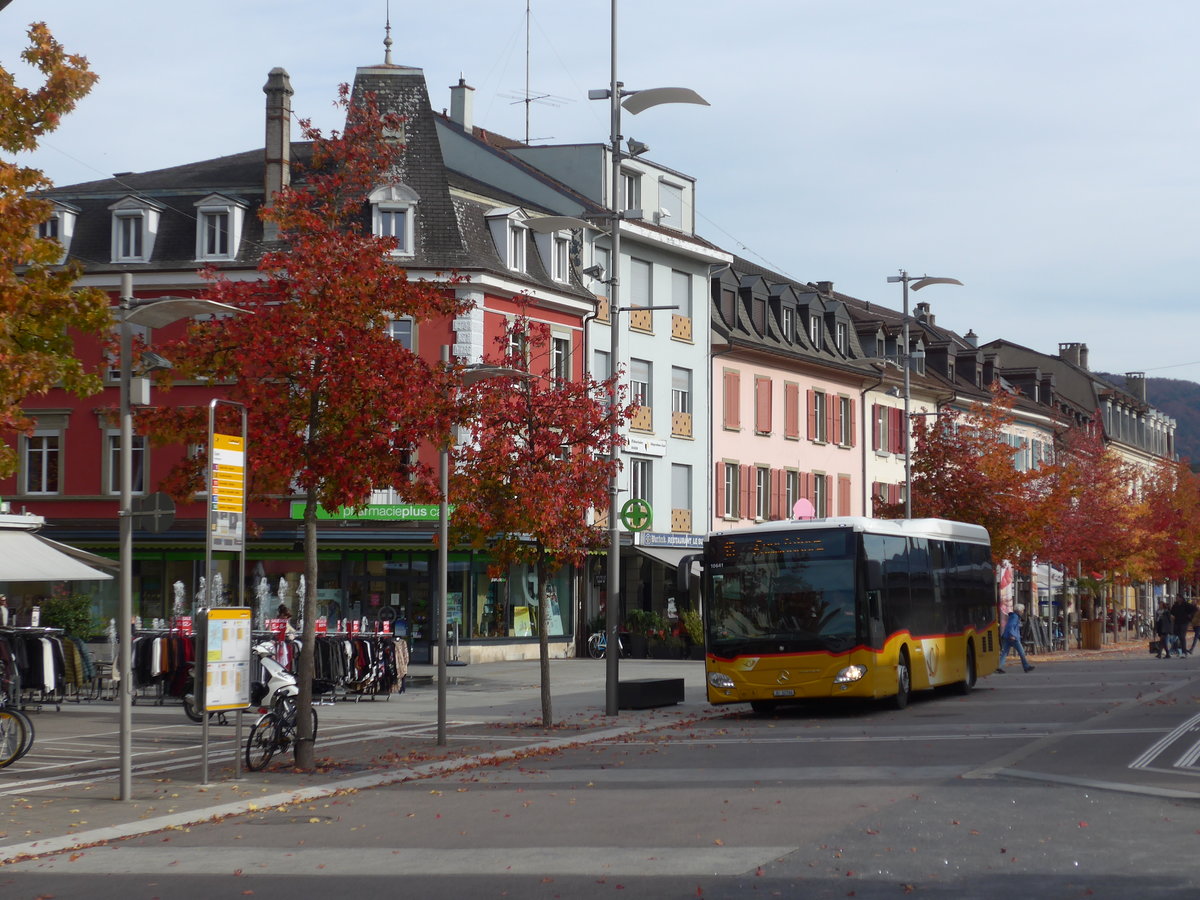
669 555
26 557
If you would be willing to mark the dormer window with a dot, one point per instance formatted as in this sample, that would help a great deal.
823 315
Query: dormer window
60 227
135 226
670 201
842 338
510 235
219 227
789 324
393 214
555 250
814 330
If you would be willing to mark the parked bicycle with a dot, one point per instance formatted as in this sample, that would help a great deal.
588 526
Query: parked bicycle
16 729
598 645
274 732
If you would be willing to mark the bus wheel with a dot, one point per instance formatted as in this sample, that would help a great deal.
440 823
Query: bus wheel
903 682
968 682
763 707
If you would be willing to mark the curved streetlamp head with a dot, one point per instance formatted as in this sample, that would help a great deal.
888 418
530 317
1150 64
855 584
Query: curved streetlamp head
926 280
636 101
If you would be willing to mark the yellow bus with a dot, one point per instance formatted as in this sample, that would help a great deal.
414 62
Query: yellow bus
847 607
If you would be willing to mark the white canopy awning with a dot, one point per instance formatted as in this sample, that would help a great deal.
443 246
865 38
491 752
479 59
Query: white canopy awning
672 556
26 557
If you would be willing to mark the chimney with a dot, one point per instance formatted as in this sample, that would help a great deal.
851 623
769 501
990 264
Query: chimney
923 314
971 338
460 104
825 287
1135 383
1076 354
279 142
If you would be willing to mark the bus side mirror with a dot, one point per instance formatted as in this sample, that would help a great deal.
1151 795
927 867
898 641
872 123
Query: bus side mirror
683 574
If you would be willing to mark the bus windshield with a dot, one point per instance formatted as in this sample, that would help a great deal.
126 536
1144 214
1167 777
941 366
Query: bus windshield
783 592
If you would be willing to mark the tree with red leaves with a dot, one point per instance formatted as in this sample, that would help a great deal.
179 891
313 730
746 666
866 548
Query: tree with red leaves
963 469
1167 515
1090 528
539 458
336 408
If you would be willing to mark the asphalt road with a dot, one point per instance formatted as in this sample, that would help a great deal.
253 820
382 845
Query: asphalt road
1076 780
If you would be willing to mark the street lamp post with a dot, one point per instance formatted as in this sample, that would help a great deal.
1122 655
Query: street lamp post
635 102
905 356
155 313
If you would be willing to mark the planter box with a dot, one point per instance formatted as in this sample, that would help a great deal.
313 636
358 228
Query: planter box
643 693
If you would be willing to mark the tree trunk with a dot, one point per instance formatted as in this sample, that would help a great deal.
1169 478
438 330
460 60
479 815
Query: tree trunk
544 639
306 662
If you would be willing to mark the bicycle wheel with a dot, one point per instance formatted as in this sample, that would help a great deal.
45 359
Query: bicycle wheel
595 646
285 708
12 737
28 725
263 741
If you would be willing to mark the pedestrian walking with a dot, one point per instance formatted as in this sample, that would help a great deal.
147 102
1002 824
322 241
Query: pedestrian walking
1010 639
1164 627
1182 611
1195 629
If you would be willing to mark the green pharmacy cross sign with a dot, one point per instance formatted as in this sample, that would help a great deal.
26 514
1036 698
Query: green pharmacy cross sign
636 515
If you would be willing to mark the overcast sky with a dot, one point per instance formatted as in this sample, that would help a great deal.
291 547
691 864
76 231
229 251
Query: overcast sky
1044 152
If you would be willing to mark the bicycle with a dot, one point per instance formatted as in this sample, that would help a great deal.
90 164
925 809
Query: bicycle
16 729
598 645
274 732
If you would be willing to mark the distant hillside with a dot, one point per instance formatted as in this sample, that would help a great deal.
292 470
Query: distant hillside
1181 401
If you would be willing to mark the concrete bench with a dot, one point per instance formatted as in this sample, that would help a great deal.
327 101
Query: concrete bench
643 693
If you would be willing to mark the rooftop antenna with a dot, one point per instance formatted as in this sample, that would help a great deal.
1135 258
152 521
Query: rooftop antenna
387 40
528 96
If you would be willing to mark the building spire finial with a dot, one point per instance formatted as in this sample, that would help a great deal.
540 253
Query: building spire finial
387 41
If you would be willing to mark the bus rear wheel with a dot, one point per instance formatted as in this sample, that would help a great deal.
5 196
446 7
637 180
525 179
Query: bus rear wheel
903 682
763 707
970 676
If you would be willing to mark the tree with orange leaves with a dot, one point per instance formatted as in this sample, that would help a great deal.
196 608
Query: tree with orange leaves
40 310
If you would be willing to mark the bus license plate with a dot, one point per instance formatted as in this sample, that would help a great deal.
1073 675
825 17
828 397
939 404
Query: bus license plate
785 692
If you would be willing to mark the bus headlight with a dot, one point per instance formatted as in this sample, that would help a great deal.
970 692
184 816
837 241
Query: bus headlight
850 673
720 681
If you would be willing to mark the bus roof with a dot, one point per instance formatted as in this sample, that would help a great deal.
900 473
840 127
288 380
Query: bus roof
927 528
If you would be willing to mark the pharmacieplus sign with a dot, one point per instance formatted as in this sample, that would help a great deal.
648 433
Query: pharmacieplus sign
375 512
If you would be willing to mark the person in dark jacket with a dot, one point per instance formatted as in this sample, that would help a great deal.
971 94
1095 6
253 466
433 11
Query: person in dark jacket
1181 615
1010 639
1164 627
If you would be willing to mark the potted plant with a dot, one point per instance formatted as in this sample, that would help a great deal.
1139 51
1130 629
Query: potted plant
641 624
693 625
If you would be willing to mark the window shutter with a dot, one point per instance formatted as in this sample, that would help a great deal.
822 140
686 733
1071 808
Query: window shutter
762 404
875 428
812 414
732 406
843 501
746 509
833 416
791 410
719 484
897 416
778 495
853 429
